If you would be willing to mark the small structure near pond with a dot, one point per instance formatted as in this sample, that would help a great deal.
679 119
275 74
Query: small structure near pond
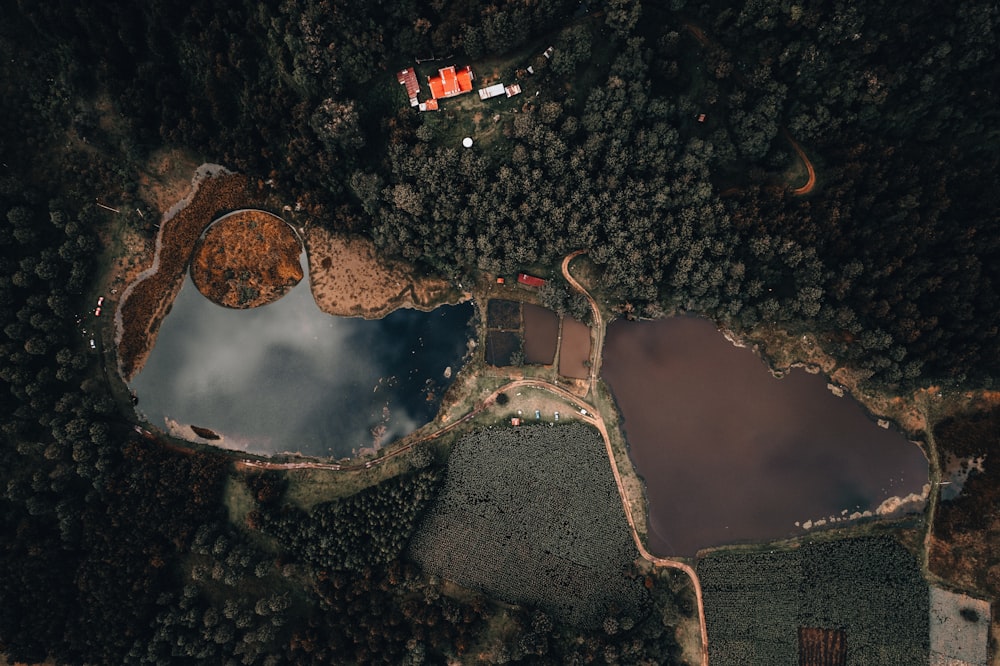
530 280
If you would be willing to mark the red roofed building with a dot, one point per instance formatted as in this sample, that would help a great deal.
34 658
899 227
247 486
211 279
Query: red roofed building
408 79
530 280
450 82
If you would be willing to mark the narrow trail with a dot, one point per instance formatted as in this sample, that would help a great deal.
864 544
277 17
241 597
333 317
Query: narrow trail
597 345
811 181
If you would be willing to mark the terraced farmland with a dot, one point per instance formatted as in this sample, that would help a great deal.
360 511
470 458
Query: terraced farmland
866 592
532 515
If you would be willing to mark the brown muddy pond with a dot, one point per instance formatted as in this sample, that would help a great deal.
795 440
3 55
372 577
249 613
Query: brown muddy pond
541 332
729 453
574 351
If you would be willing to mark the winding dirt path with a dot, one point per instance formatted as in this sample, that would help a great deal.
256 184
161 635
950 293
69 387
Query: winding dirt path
594 418
597 345
811 181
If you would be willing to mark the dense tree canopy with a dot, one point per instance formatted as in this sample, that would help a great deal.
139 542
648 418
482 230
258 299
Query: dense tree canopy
660 139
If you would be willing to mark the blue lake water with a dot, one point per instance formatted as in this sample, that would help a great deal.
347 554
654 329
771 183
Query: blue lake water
287 377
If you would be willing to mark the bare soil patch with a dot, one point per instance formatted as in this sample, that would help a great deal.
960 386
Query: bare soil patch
822 647
247 259
166 178
350 279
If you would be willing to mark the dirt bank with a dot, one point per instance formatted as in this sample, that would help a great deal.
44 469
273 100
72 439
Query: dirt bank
350 279
247 259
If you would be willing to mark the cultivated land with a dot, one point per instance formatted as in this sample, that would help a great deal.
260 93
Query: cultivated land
761 604
507 525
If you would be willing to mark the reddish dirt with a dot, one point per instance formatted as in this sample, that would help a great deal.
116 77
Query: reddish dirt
811 181
247 259
822 647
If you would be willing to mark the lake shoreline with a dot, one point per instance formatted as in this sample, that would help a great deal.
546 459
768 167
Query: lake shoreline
367 285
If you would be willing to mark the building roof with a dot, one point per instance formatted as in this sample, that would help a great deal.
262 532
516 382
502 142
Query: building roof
408 78
491 91
513 89
530 280
450 82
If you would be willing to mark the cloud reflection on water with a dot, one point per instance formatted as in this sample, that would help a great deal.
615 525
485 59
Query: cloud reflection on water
288 377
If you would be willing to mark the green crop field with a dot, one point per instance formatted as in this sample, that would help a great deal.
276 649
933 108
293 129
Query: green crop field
869 588
532 515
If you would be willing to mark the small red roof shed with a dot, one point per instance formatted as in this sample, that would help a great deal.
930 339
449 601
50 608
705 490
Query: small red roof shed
530 280
408 79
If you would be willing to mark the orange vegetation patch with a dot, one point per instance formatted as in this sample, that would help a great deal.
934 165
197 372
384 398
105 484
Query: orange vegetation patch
247 259
350 279
147 300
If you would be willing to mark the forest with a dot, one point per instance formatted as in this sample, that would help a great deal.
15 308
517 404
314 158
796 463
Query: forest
121 550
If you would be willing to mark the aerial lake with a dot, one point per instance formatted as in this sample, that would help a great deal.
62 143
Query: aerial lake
729 453
287 377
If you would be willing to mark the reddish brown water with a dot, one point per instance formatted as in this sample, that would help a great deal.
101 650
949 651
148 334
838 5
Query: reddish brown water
574 351
729 453
541 331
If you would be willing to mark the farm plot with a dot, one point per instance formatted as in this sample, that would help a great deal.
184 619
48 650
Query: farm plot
503 314
531 515
867 593
502 348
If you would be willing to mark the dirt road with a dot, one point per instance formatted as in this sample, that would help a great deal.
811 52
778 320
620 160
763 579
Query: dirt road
811 181
597 344
594 418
